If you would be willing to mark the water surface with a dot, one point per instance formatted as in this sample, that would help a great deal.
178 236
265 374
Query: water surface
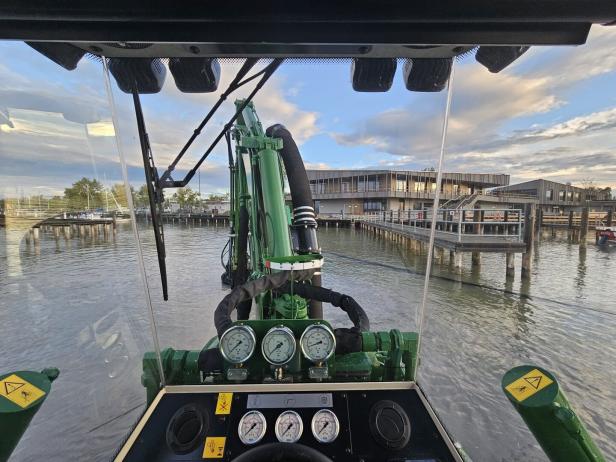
78 305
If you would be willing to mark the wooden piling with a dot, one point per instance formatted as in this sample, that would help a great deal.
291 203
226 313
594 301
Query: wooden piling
475 259
610 216
510 265
538 218
584 225
529 228
570 223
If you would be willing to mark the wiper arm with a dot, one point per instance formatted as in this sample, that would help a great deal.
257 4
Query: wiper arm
155 192
166 181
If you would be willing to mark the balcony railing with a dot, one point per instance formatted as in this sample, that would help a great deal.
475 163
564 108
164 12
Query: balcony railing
501 223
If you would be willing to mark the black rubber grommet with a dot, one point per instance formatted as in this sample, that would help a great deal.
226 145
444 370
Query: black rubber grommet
186 429
390 425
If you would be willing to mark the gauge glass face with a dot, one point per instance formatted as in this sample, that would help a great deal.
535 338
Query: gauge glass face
252 427
289 427
278 345
325 426
237 344
318 343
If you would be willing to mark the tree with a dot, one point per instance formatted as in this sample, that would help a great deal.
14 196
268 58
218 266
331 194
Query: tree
85 193
219 197
187 198
118 191
141 198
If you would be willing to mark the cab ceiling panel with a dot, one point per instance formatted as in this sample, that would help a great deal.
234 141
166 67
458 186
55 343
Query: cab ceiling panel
319 23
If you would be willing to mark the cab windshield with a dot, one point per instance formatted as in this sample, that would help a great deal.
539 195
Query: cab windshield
471 216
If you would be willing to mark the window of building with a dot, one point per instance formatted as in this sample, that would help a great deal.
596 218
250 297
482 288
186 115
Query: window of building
418 186
373 183
400 183
577 196
373 206
561 195
346 186
549 194
569 195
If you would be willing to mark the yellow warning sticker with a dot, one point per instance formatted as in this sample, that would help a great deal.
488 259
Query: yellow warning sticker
223 405
214 447
529 384
20 391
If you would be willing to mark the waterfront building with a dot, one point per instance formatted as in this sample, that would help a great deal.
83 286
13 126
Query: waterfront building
358 192
553 196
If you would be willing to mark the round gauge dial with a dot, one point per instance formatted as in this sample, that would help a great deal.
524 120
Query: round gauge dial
278 345
289 427
252 427
237 344
318 343
325 426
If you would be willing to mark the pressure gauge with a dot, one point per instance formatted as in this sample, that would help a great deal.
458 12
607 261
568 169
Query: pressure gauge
325 426
318 343
237 344
289 427
278 345
252 427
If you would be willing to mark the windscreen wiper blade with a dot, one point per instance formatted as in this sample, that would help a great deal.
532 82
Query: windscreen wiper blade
155 192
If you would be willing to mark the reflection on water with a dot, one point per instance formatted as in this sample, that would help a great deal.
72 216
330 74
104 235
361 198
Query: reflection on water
77 304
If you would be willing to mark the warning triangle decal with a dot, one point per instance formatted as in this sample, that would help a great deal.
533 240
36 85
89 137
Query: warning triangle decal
10 387
534 381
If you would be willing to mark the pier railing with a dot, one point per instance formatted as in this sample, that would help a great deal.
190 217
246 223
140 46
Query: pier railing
496 223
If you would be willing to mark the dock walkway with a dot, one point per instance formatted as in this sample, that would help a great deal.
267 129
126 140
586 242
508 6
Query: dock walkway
454 241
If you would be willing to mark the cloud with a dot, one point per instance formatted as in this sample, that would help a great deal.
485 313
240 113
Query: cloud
48 107
317 166
487 111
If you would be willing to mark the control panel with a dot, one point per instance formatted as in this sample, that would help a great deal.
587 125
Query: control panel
343 425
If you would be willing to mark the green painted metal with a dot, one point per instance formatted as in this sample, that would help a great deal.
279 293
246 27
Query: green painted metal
14 419
179 366
401 349
290 307
536 395
276 227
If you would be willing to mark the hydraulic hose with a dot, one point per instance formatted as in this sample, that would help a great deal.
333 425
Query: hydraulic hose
250 289
303 211
280 281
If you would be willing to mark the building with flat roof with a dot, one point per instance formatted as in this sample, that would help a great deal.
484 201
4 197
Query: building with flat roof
553 196
365 191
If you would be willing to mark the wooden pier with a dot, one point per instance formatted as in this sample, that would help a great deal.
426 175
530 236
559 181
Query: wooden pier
194 219
507 231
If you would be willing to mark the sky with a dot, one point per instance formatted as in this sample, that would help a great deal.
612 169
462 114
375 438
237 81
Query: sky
552 115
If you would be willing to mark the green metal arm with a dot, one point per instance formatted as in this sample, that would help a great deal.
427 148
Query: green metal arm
536 395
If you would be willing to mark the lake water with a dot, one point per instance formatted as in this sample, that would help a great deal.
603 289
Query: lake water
78 305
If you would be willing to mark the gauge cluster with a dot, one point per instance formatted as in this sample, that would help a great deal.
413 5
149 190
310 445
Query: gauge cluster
279 343
289 427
